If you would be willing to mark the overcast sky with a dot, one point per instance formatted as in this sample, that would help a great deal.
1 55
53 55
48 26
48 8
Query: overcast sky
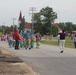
65 9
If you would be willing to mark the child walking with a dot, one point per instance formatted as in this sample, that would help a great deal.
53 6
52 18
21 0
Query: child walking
10 39
24 42
32 41
38 38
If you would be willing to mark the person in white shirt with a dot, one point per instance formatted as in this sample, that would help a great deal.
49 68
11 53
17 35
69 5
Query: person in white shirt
10 40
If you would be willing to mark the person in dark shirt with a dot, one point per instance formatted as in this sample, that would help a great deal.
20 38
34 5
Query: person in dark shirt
62 41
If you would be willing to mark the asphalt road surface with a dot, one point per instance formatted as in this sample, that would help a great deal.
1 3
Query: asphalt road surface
47 60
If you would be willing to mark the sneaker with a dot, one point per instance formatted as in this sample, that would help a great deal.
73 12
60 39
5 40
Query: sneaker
61 52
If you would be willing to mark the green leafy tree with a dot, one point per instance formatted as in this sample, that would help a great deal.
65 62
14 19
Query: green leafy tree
54 30
45 23
69 27
62 25
22 24
37 22
49 18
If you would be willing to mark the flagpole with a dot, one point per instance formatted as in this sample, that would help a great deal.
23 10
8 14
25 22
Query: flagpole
32 9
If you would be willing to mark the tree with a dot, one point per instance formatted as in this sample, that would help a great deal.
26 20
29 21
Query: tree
37 22
22 24
69 27
49 18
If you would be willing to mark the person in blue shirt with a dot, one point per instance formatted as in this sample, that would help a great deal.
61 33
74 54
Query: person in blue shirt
27 35
75 41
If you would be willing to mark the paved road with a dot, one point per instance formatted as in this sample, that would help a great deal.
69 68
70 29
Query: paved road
47 60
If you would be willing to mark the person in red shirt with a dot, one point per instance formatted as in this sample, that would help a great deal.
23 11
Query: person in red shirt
17 38
38 39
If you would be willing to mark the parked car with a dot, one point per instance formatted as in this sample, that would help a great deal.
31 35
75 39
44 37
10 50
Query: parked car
3 38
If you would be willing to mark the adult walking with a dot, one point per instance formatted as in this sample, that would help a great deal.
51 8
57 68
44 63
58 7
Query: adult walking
62 40
62 37
17 38
27 36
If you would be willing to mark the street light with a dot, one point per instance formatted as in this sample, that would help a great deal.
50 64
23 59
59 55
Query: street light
32 9
13 23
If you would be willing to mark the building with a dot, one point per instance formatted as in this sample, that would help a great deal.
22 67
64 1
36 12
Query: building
28 26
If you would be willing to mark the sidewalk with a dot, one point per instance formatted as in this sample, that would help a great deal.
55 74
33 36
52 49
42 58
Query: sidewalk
12 65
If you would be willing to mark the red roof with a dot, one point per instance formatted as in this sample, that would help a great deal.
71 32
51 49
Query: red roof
20 16
28 25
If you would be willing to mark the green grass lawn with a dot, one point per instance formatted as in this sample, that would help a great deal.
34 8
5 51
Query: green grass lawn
68 42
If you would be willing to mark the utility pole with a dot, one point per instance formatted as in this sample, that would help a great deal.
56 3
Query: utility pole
13 23
32 9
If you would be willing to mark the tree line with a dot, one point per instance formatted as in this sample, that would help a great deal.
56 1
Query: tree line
44 21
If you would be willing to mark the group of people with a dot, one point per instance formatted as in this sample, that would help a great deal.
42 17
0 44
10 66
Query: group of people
23 39
27 40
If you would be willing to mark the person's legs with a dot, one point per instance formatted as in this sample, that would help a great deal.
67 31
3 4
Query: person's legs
58 40
28 43
75 44
32 44
36 44
13 43
9 43
61 46
17 44
63 43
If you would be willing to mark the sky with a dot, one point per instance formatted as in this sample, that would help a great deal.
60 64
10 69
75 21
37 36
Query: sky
9 9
